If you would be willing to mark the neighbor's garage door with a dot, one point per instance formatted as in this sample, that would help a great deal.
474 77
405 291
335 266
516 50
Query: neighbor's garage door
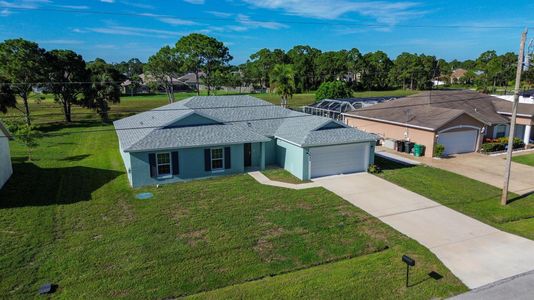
459 141
339 159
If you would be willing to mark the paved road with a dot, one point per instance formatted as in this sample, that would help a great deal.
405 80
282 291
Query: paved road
520 287
476 253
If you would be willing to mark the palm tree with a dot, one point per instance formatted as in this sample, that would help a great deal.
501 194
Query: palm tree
283 80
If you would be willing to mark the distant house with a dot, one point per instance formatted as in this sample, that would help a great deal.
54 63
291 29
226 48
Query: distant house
457 74
457 119
6 168
210 136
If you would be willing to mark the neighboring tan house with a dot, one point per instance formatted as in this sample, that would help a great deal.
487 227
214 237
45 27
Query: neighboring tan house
457 74
6 168
203 137
457 119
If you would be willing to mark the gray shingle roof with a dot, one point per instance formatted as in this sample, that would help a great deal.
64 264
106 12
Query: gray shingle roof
245 120
433 109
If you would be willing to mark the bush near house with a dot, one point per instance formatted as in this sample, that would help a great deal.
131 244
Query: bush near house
333 90
500 144
439 150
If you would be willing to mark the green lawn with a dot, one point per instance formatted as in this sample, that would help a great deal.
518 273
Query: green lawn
527 159
280 174
474 198
69 217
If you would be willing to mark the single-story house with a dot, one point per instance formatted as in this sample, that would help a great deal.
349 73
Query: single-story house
6 169
457 119
208 136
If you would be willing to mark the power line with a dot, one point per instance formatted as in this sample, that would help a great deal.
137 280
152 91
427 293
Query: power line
282 21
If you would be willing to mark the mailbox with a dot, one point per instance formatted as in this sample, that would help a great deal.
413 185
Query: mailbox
408 260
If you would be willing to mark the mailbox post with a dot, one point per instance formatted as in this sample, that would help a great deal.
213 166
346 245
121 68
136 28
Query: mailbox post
409 263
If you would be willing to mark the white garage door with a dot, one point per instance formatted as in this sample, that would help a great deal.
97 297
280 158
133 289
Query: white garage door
459 141
340 159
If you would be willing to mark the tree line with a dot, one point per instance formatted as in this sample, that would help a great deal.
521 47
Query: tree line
25 68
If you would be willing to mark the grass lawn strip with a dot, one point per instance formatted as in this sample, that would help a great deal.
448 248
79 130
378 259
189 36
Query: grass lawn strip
527 159
282 175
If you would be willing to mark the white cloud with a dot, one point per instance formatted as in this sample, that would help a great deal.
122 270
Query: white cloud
248 22
169 20
135 31
219 14
5 13
24 4
81 7
388 13
195 1
107 1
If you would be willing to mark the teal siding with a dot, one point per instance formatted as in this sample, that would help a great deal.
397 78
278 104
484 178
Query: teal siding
372 153
270 152
256 155
127 163
193 120
191 166
292 158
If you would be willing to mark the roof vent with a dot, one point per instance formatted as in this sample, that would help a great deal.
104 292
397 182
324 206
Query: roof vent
249 124
141 123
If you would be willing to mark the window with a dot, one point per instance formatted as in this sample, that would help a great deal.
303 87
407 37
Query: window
500 131
217 159
163 163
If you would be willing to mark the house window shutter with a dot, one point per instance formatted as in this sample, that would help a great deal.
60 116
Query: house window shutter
207 160
152 163
227 158
175 163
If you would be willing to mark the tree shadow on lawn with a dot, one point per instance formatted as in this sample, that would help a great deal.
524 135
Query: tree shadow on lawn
31 185
56 127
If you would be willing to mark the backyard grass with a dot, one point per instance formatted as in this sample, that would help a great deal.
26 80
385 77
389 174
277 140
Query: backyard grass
472 197
527 159
280 174
70 218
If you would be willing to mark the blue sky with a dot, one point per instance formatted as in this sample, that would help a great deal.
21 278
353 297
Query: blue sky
123 29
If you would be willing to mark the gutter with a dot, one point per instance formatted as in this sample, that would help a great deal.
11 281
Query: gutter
519 115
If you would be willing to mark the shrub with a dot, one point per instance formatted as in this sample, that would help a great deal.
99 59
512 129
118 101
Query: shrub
333 90
374 169
439 150
501 144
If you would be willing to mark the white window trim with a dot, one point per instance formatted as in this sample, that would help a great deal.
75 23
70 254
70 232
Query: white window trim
218 170
164 176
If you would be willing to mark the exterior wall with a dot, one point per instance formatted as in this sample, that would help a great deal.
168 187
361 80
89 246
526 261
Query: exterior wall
396 132
270 152
372 147
524 121
127 163
293 158
256 155
6 169
191 162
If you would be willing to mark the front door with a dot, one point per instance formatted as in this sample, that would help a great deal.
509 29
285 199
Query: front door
248 155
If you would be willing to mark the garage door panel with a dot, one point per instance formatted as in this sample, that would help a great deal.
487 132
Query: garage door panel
339 159
456 142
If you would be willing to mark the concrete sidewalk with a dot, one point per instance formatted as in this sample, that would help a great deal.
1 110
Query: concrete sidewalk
266 181
476 253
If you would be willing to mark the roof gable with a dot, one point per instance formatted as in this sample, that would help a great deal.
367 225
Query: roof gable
192 119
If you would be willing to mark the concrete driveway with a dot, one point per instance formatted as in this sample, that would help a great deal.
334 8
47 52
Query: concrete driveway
476 253
488 169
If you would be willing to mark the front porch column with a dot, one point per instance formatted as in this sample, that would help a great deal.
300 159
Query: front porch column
526 137
262 159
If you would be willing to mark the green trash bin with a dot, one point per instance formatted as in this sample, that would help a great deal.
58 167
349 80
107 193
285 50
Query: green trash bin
417 150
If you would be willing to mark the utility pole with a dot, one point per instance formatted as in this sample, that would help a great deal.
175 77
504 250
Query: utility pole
520 59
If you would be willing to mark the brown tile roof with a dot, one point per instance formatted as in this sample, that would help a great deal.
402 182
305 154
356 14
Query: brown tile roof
433 109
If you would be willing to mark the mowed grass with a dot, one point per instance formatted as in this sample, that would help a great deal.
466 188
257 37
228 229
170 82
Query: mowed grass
527 159
469 196
70 218
280 174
